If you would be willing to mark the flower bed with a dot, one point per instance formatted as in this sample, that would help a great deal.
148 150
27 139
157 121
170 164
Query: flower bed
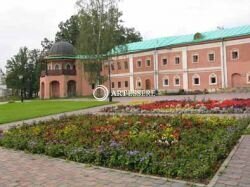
234 106
184 147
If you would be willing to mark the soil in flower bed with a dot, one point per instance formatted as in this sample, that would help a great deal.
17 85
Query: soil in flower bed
185 147
234 106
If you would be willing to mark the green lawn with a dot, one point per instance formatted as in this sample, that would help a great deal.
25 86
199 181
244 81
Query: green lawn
31 109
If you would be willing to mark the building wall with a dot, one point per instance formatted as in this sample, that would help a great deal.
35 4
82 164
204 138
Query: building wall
228 72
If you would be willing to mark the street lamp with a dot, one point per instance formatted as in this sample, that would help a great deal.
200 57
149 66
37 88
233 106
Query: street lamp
110 91
21 79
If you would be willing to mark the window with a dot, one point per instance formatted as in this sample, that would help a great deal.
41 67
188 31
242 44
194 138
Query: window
138 83
113 85
112 67
213 79
126 84
211 57
195 58
164 61
177 81
126 64
119 65
93 86
166 81
148 62
139 63
248 78
177 60
57 67
196 80
119 84
235 54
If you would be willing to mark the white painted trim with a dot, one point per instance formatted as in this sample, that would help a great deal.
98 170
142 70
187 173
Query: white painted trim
209 53
131 73
121 75
146 64
163 81
222 65
164 57
213 75
231 54
143 72
185 69
177 77
205 69
177 56
225 66
138 60
156 71
143 54
237 42
194 77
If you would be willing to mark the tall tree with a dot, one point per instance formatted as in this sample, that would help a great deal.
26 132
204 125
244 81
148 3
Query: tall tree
46 45
100 31
69 30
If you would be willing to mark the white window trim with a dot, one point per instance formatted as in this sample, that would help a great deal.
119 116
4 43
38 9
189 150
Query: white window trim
124 63
248 75
211 76
146 64
164 57
137 63
163 81
195 54
118 85
175 77
235 50
177 56
211 52
196 76
138 80
118 62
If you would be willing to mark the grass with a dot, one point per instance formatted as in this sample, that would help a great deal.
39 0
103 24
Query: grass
31 109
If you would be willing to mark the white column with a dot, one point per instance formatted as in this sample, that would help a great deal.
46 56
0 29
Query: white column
156 71
222 65
131 73
225 65
185 69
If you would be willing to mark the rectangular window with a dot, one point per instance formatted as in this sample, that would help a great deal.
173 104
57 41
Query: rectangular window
126 64
166 82
196 81
195 58
213 80
93 86
138 63
126 84
112 67
164 61
211 57
248 78
113 85
148 62
119 67
235 55
177 81
119 85
177 60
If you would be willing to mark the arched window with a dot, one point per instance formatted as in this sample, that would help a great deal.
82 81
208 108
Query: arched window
213 79
68 67
196 80
177 80
57 67
138 83
165 81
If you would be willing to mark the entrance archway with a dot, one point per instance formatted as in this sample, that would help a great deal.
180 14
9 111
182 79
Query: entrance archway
148 84
42 90
54 89
236 80
71 88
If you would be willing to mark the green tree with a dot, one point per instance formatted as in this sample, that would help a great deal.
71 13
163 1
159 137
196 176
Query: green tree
101 31
69 30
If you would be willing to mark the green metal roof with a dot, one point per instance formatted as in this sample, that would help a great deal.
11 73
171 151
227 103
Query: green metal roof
188 39
176 40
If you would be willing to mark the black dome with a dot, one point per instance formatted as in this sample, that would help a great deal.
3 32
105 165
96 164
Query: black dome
62 49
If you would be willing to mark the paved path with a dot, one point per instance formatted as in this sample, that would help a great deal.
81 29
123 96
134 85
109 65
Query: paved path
237 171
21 169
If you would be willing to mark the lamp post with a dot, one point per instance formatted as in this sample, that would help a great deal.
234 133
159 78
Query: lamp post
110 91
21 79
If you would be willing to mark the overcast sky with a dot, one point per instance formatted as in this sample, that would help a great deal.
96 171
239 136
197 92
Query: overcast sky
27 22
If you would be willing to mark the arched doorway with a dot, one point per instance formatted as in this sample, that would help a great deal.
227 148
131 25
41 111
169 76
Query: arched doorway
236 80
148 84
71 88
54 89
42 90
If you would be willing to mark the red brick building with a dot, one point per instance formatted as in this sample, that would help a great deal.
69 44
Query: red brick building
210 60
